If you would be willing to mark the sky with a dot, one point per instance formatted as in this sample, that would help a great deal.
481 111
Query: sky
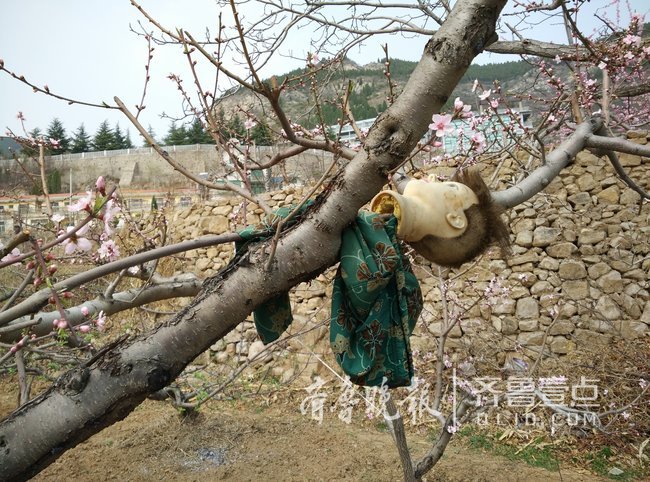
84 49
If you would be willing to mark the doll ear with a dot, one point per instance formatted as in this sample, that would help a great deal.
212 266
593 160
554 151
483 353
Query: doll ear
457 219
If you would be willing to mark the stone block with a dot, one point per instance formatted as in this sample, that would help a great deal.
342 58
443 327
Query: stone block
576 289
563 249
572 270
610 282
543 236
591 236
561 327
631 329
527 308
530 338
588 338
561 345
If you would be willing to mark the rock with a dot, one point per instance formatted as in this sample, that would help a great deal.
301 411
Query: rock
541 288
561 250
591 236
549 264
588 338
530 338
561 327
597 270
576 289
629 160
631 329
607 308
504 307
529 325
645 317
561 345
580 199
525 239
572 270
586 182
630 197
609 195
543 236
527 308
610 282
506 325
255 352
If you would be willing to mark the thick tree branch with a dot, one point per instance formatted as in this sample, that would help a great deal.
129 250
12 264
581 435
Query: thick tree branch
85 400
163 289
556 160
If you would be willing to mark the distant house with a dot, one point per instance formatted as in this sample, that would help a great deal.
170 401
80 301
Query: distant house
8 147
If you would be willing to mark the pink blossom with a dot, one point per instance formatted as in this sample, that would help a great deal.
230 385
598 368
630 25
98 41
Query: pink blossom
57 218
602 65
82 204
101 320
249 123
485 94
85 311
13 255
474 85
312 58
101 184
111 209
478 141
441 124
108 250
494 103
632 40
76 241
84 328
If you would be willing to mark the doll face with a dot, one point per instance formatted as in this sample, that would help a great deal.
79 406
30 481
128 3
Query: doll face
447 202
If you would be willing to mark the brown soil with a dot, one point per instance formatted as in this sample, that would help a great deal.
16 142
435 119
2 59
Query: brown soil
251 441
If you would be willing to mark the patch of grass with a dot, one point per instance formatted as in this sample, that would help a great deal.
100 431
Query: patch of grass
600 463
536 453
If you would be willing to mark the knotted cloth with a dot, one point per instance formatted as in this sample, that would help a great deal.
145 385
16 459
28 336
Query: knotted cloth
376 300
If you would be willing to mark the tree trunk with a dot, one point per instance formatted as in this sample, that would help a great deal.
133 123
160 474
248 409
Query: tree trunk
89 398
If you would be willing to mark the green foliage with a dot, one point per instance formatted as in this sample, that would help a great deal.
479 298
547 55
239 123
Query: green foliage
154 203
80 141
56 131
54 182
261 135
151 132
176 136
104 138
196 134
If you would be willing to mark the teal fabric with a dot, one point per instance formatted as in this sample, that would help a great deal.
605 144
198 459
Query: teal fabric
376 301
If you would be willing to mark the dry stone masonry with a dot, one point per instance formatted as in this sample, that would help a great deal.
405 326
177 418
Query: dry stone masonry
578 275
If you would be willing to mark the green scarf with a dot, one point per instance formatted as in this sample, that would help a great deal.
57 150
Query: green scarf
376 301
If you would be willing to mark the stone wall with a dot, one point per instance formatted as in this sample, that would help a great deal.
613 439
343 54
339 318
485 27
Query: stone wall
578 276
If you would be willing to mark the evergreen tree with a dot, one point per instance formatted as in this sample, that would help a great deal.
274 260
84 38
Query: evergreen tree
118 138
104 138
177 136
56 132
54 182
196 134
151 132
235 128
80 141
261 135
128 144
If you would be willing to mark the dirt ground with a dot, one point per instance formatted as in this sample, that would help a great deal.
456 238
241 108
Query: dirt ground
251 441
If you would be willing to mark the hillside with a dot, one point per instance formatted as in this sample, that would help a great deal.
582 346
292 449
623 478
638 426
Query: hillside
369 88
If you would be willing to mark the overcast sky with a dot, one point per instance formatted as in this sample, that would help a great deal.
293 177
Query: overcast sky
84 49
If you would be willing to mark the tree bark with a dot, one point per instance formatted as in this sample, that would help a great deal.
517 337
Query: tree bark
109 387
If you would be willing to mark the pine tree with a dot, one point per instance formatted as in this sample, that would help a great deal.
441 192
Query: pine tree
261 135
56 132
235 128
104 138
150 131
196 134
177 136
128 144
118 138
80 141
